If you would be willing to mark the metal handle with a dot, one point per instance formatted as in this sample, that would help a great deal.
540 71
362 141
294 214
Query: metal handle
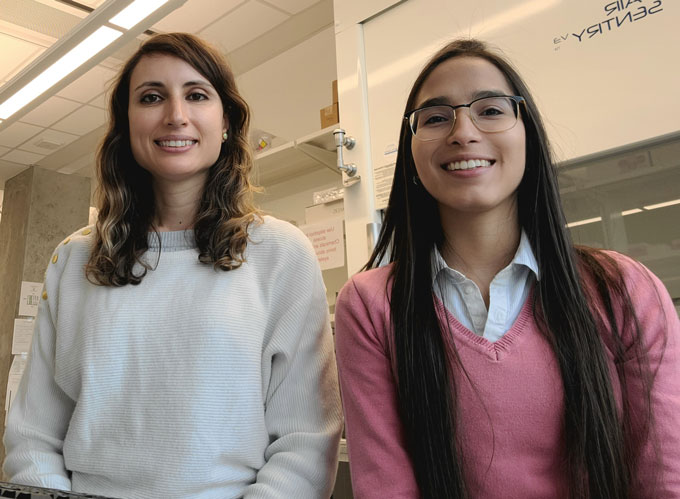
348 142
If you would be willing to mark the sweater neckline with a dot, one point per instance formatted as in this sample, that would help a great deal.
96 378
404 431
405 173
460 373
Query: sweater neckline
174 240
496 350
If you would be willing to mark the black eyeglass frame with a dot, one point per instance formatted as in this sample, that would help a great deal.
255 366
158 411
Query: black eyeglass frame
516 98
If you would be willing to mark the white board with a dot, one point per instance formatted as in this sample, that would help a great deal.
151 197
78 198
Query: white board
603 72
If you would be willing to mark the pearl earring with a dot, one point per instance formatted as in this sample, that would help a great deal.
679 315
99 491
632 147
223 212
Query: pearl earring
225 135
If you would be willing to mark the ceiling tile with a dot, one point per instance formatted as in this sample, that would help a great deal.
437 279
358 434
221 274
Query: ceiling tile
86 161
47 142
88 86
22 157
4 150
9 170
244 24
16 54
18 133
191 17
84 120
101 101
92 3
50 111
292 6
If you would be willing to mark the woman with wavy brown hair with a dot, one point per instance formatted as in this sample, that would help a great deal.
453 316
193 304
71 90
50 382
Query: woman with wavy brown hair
492 358
182 346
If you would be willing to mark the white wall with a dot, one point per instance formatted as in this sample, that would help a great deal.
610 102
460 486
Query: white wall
287 92
288 199
596 91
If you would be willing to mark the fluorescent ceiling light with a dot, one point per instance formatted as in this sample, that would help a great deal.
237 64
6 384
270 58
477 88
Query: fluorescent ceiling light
78 55
135 12
631 212
662 205
584 222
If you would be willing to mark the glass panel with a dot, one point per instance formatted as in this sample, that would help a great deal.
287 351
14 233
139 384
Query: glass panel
629 201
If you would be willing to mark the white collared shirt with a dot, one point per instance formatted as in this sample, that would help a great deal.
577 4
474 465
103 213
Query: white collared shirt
508 291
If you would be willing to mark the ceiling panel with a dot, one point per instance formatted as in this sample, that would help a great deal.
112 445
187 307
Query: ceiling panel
88 86
9 170
191 17
65 7
18 133
84 162
92 3
50 111
47 142
16 54
292 6
39 17
82 121
244 24
22 157
101 101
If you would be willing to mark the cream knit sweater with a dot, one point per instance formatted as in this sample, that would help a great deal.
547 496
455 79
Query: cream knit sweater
195 383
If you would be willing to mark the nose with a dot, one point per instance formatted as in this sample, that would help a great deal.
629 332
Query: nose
176 115
464 131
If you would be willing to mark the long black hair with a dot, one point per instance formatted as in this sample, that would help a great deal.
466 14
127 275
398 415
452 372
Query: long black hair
601 444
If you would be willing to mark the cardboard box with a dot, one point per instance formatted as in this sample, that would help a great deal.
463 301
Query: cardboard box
330 115
335 91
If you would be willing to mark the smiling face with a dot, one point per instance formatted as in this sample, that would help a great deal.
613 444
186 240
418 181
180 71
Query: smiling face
469 171
176 119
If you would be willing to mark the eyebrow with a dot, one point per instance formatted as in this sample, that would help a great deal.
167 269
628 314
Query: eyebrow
441 100
158 84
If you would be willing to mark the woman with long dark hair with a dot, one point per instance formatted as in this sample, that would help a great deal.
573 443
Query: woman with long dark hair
183 345
491 357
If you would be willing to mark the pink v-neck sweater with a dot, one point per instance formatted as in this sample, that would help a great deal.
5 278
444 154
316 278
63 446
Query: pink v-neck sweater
511 419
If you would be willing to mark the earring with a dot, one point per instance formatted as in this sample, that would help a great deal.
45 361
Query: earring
225 136
415 180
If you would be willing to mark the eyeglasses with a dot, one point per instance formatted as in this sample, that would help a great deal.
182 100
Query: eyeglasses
489 114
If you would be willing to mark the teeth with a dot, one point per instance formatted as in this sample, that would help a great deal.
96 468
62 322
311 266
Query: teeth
467 165
175 143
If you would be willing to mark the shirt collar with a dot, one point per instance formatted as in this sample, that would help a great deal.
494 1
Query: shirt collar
523 256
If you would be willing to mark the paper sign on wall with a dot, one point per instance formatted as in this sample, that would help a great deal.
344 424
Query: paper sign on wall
16 370
382 184
23 334
30 297
328 241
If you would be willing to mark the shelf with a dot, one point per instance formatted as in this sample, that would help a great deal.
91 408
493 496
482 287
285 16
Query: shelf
308 153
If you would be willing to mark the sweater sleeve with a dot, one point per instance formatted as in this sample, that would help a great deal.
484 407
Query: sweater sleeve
379 463
40 413
303 413
658 473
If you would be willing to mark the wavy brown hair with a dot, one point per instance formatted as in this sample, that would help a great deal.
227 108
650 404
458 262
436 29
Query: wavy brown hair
125 195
